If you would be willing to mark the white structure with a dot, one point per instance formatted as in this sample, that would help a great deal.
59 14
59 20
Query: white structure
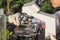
50 21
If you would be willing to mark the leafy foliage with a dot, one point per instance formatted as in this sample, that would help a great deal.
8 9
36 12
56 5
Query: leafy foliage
47 7
0 2
11 6
11 35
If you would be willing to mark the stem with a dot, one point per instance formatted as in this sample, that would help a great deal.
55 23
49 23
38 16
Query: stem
8 9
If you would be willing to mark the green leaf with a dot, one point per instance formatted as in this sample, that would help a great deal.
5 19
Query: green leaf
16 5
0 2
11 33
8 1
47 7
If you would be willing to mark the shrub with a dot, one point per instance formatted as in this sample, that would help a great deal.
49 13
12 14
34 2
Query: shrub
47 7
11 35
